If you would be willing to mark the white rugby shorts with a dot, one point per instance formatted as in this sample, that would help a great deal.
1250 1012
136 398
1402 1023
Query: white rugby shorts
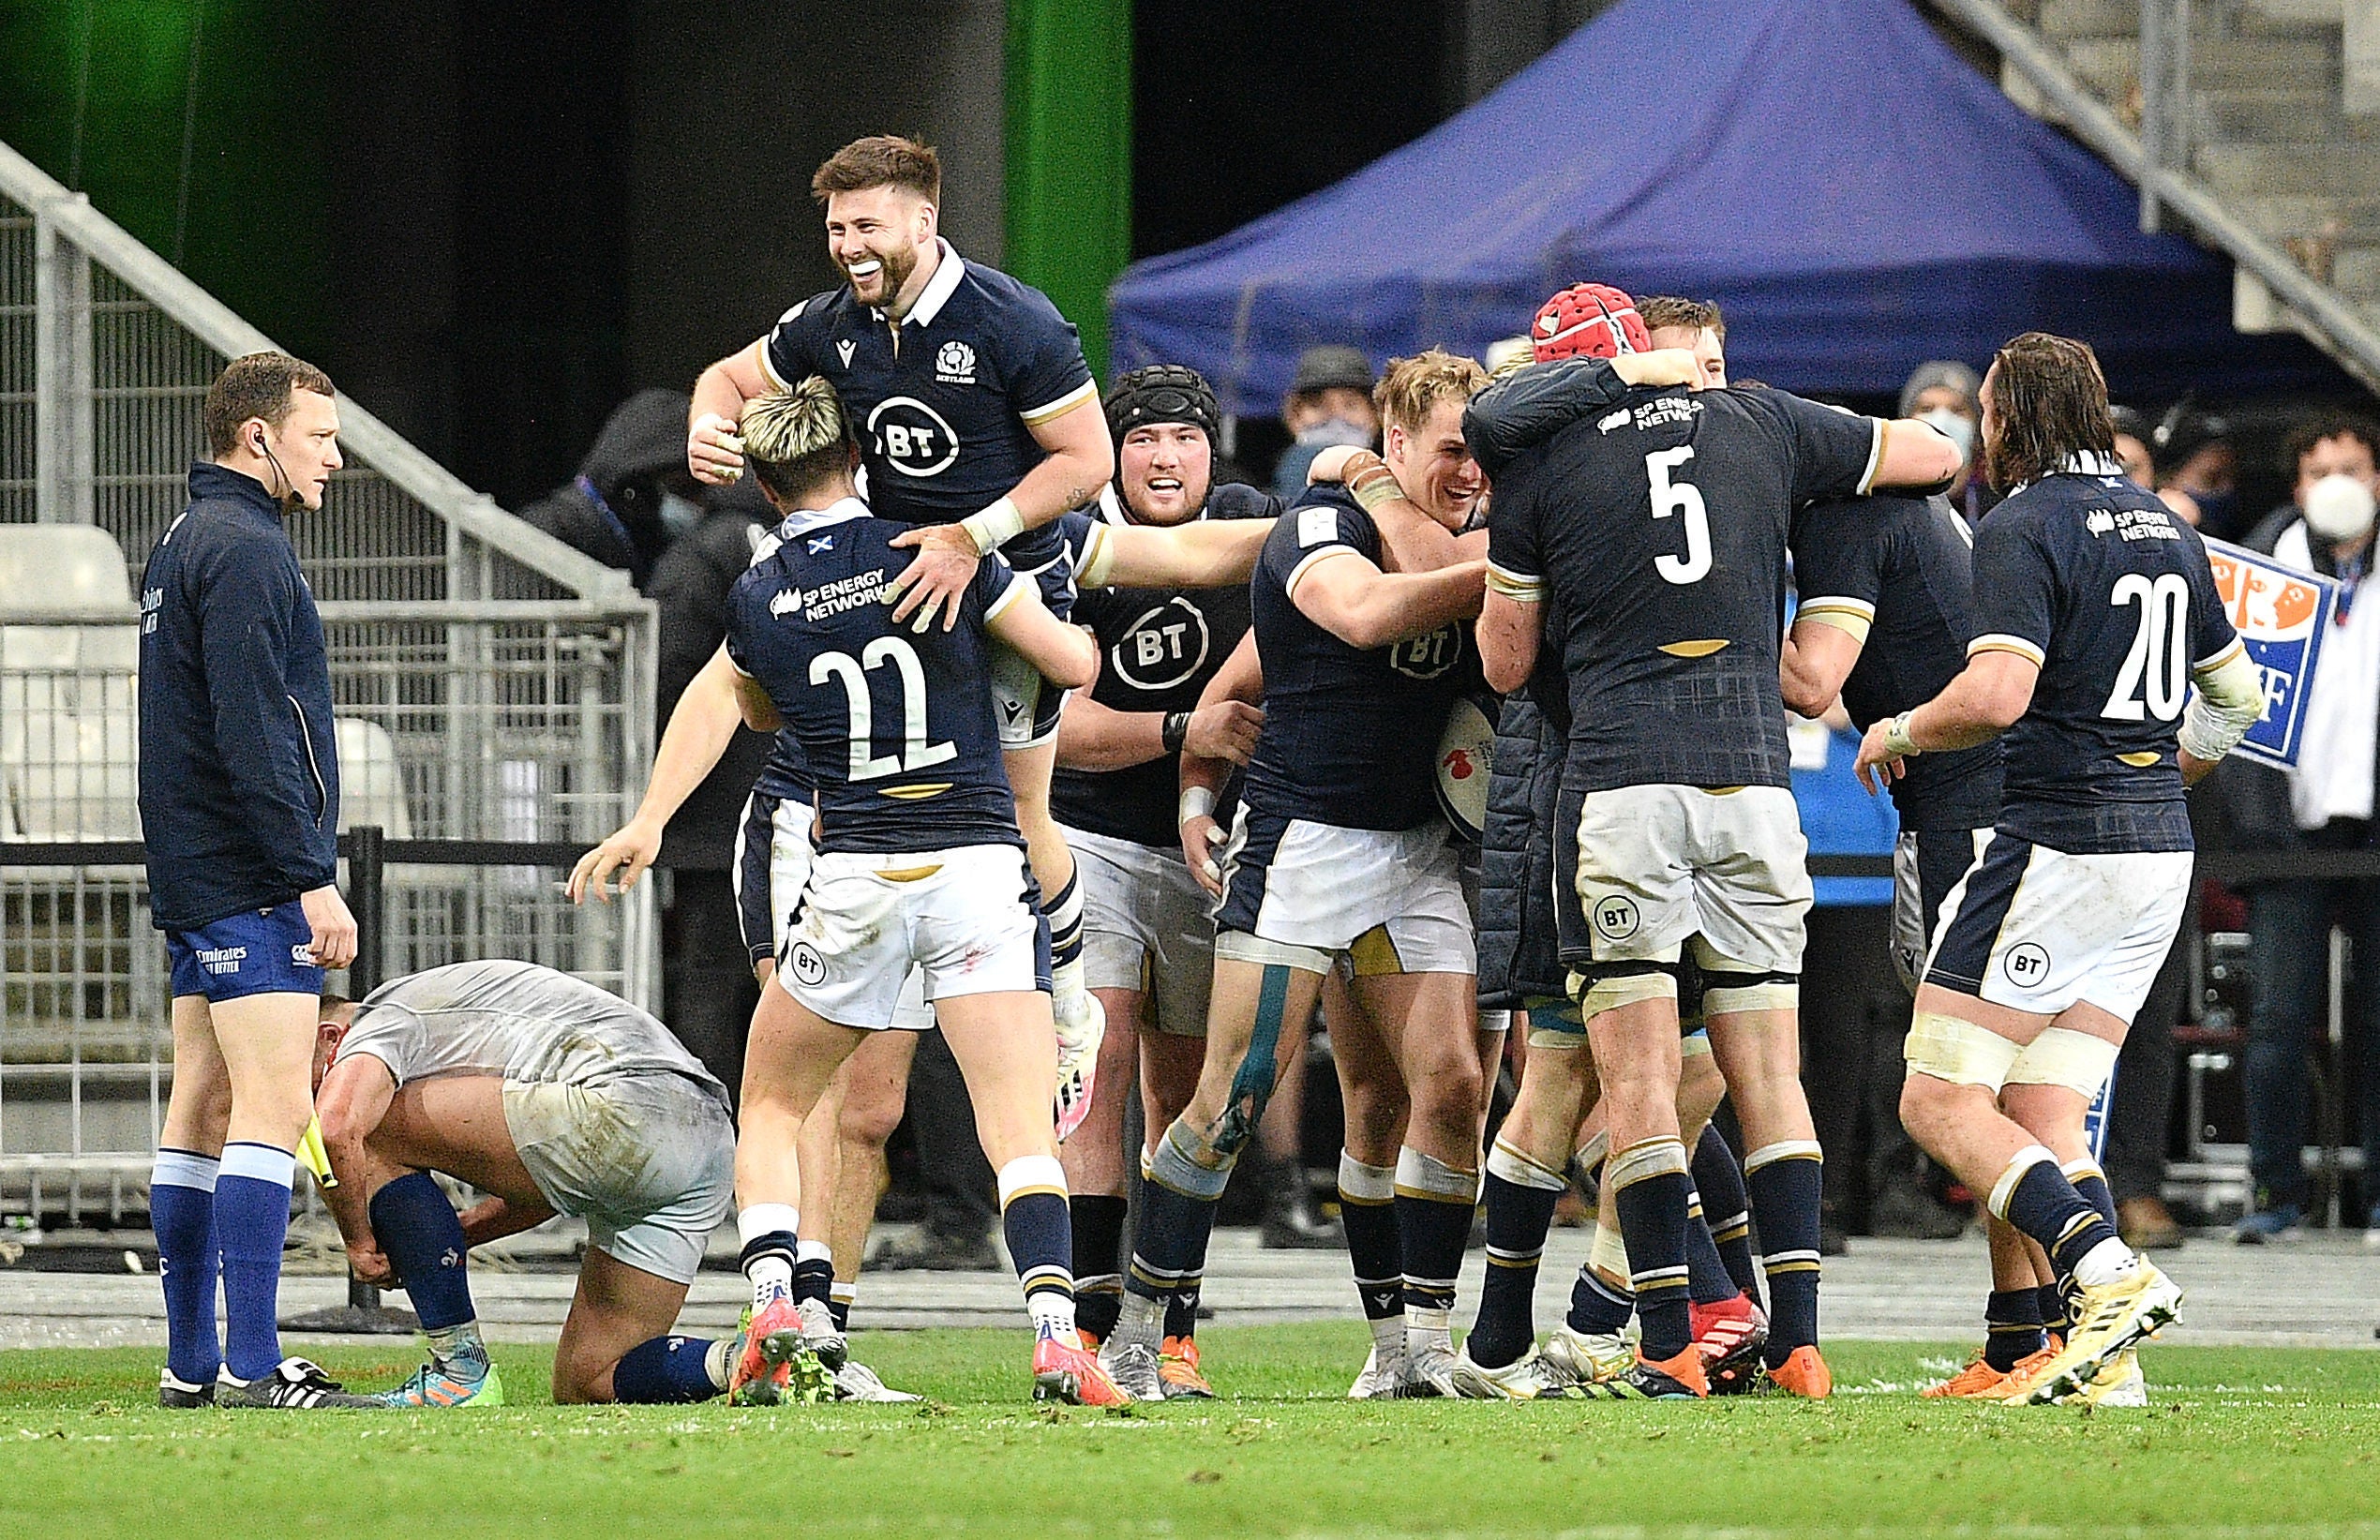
2038 930
771 863
1147 926
965 918
1391 899
1654 865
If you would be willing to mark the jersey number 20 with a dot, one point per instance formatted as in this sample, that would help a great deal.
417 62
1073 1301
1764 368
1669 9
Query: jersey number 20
852 674
2160 649
1684 499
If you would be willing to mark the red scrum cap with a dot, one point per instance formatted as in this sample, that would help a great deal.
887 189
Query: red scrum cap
1593 320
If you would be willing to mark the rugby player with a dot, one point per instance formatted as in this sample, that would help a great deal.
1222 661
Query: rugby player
918 865
1676 824
552 1097
1338 847
1695 324
1149 943
981 427
2094 610
1887 610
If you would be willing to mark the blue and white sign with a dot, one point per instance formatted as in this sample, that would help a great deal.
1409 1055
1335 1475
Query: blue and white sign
2282 614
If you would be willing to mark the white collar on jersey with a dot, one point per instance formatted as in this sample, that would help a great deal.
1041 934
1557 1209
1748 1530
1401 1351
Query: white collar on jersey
804 520
2088 462
947 270
1111 509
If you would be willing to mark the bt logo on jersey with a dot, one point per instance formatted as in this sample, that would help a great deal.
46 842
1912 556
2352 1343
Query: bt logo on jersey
912 438
1427 657
1164 648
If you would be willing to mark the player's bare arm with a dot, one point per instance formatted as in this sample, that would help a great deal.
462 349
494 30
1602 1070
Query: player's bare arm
353 1100
1507 632
1364 607
1240 682
1206 554
1914 455
492 1219
1065 654
1817 658
1092 737
760 711
701 727
1080 458
1985 700
714 453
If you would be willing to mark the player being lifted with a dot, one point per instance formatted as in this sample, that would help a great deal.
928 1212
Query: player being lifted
2095 610
1657 533
1149 943
550 1096
980 424
919 864
1339 847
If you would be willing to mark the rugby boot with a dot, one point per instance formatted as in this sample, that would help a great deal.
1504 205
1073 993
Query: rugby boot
180 1394
1064 1372
1977 1380
1586 1359
1729 1336
1804 1374
857 1381
825 1337
460 1381
1377 1381
1678 1379
2018 1382
1525 1379
1427 1374
2120 1383
294 1383
1178 1373
771 1362
2107 1320
1135 1367
1082 1024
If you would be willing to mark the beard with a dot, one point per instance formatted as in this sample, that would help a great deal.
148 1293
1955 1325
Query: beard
899 265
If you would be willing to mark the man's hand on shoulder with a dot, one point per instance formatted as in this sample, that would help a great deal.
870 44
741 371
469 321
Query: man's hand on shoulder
931 584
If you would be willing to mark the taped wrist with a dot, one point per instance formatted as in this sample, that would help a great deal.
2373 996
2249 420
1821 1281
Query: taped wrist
1370 482
1897 737
1174 731
994 527
1197 802
2229 700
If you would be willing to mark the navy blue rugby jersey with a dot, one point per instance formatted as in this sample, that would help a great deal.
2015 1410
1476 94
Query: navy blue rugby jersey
1905 566
896 729
944 403
1159 649
2094 579
1351 735
1657 531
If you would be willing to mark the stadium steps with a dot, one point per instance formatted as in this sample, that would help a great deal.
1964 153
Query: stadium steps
2273 123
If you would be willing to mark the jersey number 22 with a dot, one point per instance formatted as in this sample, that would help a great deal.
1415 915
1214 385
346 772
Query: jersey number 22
852 674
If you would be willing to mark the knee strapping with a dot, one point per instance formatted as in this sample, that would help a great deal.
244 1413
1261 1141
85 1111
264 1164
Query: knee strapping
1611 985
1175 1165
2075 1061
1959 1051
1554 1022
1695 1046
1647 1158
1259 1067
1725 993
1240 947
1510 1164
1420 1176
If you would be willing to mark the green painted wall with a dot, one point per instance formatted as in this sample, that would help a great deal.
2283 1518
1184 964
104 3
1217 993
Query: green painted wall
1069 169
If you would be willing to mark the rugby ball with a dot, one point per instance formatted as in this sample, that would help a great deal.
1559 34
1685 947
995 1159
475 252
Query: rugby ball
1466 753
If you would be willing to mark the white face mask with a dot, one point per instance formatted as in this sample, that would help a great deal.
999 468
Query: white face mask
2339 508
1957 430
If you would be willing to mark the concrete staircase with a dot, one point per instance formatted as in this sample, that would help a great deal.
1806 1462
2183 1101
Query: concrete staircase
2281 123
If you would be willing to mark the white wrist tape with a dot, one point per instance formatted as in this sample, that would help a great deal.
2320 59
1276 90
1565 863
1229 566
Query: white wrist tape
2230 699
1197 802
994 527
1897 737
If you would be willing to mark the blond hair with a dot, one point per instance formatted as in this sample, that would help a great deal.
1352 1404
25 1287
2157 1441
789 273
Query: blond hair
794 439
1410 388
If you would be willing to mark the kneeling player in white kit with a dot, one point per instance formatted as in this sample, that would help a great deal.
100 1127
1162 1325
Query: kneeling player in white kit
2094 610
920 864
552 1097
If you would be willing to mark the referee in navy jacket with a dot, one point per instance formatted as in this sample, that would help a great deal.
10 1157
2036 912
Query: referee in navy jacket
239 806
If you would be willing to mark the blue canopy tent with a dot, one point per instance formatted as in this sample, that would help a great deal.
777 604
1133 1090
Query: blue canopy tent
1852 193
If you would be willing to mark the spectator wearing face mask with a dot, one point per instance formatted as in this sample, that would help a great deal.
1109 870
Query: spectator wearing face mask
2198 469
1329 402
632 494
1942 392
2326 803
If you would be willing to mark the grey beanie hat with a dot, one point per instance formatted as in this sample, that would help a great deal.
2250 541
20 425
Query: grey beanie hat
1942 371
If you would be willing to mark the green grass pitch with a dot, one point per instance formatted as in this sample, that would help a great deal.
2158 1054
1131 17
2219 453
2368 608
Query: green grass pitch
2236 1441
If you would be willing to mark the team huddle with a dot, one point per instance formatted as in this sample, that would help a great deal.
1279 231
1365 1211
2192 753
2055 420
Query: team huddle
1116 776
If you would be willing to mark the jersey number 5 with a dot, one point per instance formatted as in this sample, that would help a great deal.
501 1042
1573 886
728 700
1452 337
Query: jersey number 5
2160 648
852 674
1683 499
